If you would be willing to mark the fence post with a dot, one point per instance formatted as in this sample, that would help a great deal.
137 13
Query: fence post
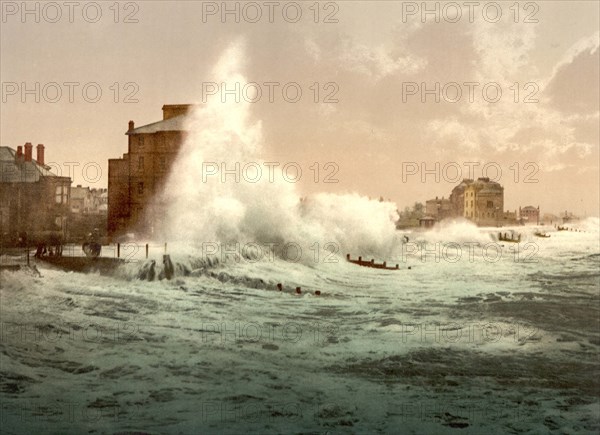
146 251
118 250
165 248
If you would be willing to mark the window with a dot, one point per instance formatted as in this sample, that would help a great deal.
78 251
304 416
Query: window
141 142
141 163
471 203
61 195
140 188
490 204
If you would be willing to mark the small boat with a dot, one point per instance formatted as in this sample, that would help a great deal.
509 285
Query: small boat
371 263
509 239
559 228
540 234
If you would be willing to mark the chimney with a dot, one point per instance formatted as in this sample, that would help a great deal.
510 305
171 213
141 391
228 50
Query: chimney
131 125
28 151
173 110
19 155
40 154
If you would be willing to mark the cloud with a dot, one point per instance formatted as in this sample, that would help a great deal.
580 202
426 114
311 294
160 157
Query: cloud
377 62
573 85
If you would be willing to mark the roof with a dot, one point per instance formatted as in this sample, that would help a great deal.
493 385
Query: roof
176 123
12 171
530 207
485 185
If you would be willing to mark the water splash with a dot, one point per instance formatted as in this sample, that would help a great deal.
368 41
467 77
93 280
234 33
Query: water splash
268 211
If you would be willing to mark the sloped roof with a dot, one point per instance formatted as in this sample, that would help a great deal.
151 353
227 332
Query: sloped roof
177 123
12 171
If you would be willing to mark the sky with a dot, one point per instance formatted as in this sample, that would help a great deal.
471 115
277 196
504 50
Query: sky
396 101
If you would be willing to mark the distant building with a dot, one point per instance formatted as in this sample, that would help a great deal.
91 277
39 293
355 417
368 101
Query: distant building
457 197
80 199
135 178
86 201
439 208
530 214
34 202
569 217
481 201
426 221
88 212
511 218
484 202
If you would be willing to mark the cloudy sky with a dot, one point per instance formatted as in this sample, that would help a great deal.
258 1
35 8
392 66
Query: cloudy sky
370 61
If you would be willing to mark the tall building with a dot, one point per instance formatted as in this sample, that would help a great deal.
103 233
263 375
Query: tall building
484 202
481 201
134 179
34 202
457 197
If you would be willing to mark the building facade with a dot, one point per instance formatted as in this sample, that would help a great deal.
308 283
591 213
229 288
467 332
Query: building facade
484 202
34 202
481 201
457 197
86 201
135 179
530 214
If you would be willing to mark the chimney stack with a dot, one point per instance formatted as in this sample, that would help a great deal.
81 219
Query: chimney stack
131 125
19 155
40 154
28 151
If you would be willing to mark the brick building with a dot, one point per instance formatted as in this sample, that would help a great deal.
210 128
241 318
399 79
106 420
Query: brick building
135 178
34 202
529 214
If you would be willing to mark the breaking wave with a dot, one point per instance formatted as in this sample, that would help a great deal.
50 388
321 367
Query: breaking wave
202 209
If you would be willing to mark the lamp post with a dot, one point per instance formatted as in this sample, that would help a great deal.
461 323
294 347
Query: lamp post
497 216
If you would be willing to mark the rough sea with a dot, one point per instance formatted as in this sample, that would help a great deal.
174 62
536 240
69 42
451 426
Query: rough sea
467 336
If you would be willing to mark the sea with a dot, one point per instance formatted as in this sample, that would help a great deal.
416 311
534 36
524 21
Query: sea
468 335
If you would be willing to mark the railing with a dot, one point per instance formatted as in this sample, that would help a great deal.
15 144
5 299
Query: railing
129 251
15 257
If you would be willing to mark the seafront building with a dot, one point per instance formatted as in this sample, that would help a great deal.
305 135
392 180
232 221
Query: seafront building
136 177
34 202
530 215
481 201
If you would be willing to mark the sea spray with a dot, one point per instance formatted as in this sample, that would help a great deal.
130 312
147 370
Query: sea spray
201 210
